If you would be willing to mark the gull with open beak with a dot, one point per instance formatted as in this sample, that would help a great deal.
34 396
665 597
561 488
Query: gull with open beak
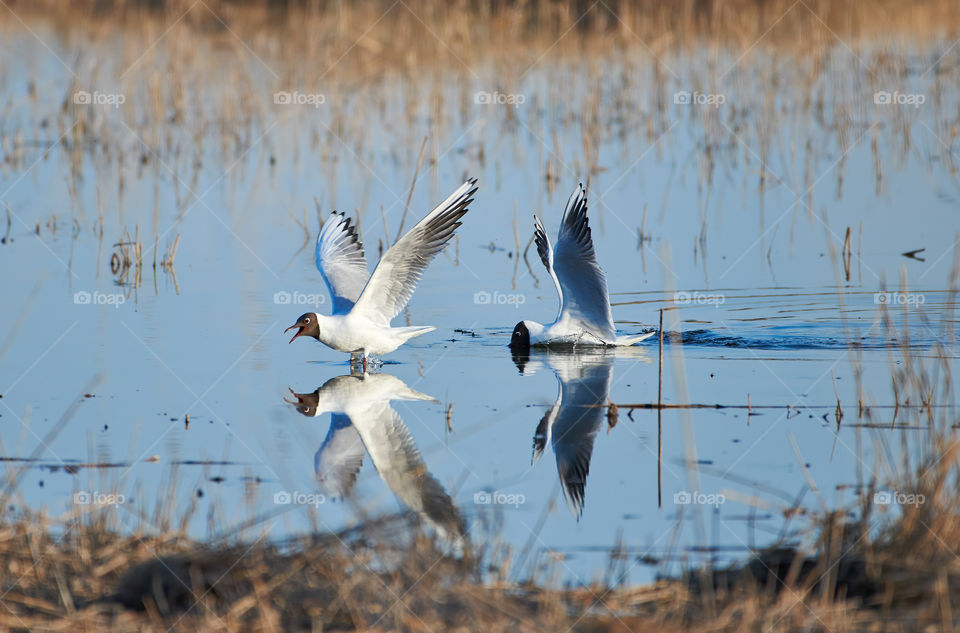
363 420
363 303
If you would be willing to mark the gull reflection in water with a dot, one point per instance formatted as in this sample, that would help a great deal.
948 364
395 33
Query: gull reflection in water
570 426
362 420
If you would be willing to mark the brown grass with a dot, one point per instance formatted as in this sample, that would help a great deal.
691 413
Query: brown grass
81 576
867 569
201 77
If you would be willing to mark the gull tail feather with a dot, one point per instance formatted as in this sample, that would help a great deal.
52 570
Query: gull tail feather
409 332
413 394
630 339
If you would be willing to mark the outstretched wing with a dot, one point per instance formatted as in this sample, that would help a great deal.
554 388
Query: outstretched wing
398 461
394 279
583 286
584 390
545 251
542 434
340 260
339 458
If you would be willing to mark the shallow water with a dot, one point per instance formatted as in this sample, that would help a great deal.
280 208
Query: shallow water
760 310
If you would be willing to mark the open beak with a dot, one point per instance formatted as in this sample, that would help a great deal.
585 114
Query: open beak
296 395
299 331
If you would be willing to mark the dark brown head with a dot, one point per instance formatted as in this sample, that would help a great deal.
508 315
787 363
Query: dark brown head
306 403
307 325
520 346
520 339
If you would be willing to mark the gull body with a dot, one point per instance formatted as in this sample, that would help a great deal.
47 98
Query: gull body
584 317
357 334
363 420
364 303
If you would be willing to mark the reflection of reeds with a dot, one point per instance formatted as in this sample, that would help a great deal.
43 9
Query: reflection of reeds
592 75
128 257
126 262
651 50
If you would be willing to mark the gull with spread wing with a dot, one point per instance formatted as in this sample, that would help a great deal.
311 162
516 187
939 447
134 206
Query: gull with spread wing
572 423
363 419
363 303
584 317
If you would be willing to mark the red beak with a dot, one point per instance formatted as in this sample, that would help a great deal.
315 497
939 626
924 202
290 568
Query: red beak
299 332
298 400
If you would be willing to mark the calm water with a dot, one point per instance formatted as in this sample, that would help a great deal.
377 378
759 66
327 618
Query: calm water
762 311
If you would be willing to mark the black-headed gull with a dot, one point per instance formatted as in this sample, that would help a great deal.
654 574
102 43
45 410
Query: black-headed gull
584 317
362 418
571 424
363 303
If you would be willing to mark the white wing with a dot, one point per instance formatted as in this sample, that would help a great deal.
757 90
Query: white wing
339 458
340 260
394 279
545 250
399 463
583 287
584 389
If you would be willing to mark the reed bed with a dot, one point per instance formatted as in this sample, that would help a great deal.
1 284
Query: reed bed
200 82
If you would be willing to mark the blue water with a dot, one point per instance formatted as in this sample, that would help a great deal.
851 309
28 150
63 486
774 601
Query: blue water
758 309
